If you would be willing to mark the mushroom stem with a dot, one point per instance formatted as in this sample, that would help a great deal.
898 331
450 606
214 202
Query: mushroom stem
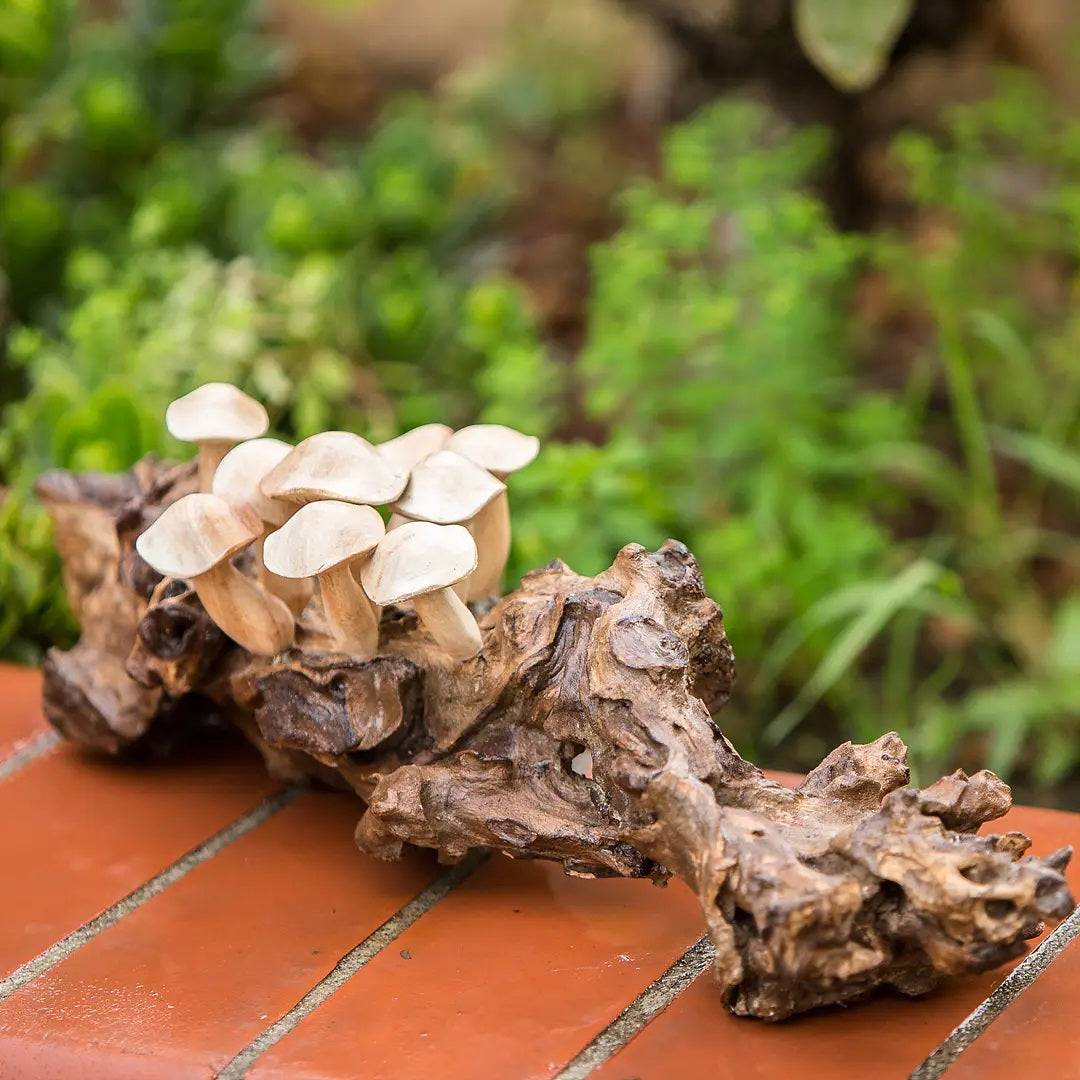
351 615
210 454
294 592
491 531
449 622
254 619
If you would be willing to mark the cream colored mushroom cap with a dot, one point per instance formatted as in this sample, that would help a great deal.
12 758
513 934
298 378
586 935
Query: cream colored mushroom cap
320 536
447 488
501 450
237 477
408 450
196 533
418 558
335 465
216 412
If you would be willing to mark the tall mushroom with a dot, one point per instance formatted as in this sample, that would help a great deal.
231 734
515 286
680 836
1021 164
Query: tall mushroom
502 451
448 489
325 540
420 561
237 482
194 540
335 465
408 450
216 416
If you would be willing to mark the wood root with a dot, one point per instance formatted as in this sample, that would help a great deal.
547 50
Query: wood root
813 896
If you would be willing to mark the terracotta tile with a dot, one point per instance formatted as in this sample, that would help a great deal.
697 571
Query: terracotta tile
1036 1035
78 833
508 977
21 718
186 981
885 1037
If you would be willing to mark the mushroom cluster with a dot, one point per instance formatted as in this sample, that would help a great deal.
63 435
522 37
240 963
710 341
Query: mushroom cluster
308 513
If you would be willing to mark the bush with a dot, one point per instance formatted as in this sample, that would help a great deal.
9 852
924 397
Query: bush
344 290
890 551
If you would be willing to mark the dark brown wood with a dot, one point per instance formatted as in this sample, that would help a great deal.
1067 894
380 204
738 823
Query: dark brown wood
812 896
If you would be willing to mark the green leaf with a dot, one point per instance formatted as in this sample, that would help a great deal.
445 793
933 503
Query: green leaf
849 40
1046 458
885 602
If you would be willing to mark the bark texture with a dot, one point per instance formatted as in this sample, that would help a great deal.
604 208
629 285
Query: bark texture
812 896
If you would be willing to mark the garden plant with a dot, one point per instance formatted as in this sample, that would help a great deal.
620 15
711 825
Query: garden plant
867 438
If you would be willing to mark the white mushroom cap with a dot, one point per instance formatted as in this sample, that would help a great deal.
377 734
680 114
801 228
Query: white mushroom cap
418 558
447 488
335 465
216 412
320 536
501 450
408 450
237 478
194 534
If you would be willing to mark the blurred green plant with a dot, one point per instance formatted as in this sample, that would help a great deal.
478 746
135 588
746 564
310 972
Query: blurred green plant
904 555
720 359
349 289
898 556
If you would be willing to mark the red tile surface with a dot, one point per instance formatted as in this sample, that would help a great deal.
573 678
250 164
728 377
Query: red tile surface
886 1037
78 833
186 981
508 977
21 718
1037 1035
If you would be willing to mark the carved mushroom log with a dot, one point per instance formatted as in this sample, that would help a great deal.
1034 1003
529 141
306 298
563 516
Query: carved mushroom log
812 896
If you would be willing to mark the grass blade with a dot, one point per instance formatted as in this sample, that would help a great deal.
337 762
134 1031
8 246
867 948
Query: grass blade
887 600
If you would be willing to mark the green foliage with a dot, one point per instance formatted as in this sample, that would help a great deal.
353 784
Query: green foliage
150 248
736 392
997 276
719 359
888 551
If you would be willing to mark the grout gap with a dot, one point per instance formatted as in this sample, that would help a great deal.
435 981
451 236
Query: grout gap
652 1001
62 949
28 752
352 962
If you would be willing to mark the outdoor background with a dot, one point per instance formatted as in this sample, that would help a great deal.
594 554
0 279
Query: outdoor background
793 282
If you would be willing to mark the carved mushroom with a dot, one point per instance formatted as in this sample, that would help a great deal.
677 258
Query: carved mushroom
448 489
408 450
335 465
326 540
237 482
421 561
216 416
502 451
194 540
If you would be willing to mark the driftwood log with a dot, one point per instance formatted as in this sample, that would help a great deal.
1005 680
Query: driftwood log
812 896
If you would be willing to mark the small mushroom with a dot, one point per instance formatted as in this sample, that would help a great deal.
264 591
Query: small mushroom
194 540
421 561
216 416
502 451
335 465
448 489
326 540
408 450
237 482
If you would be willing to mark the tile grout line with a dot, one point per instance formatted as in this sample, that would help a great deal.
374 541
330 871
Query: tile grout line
352 962
62 949
652 1001
29 751
1014 984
